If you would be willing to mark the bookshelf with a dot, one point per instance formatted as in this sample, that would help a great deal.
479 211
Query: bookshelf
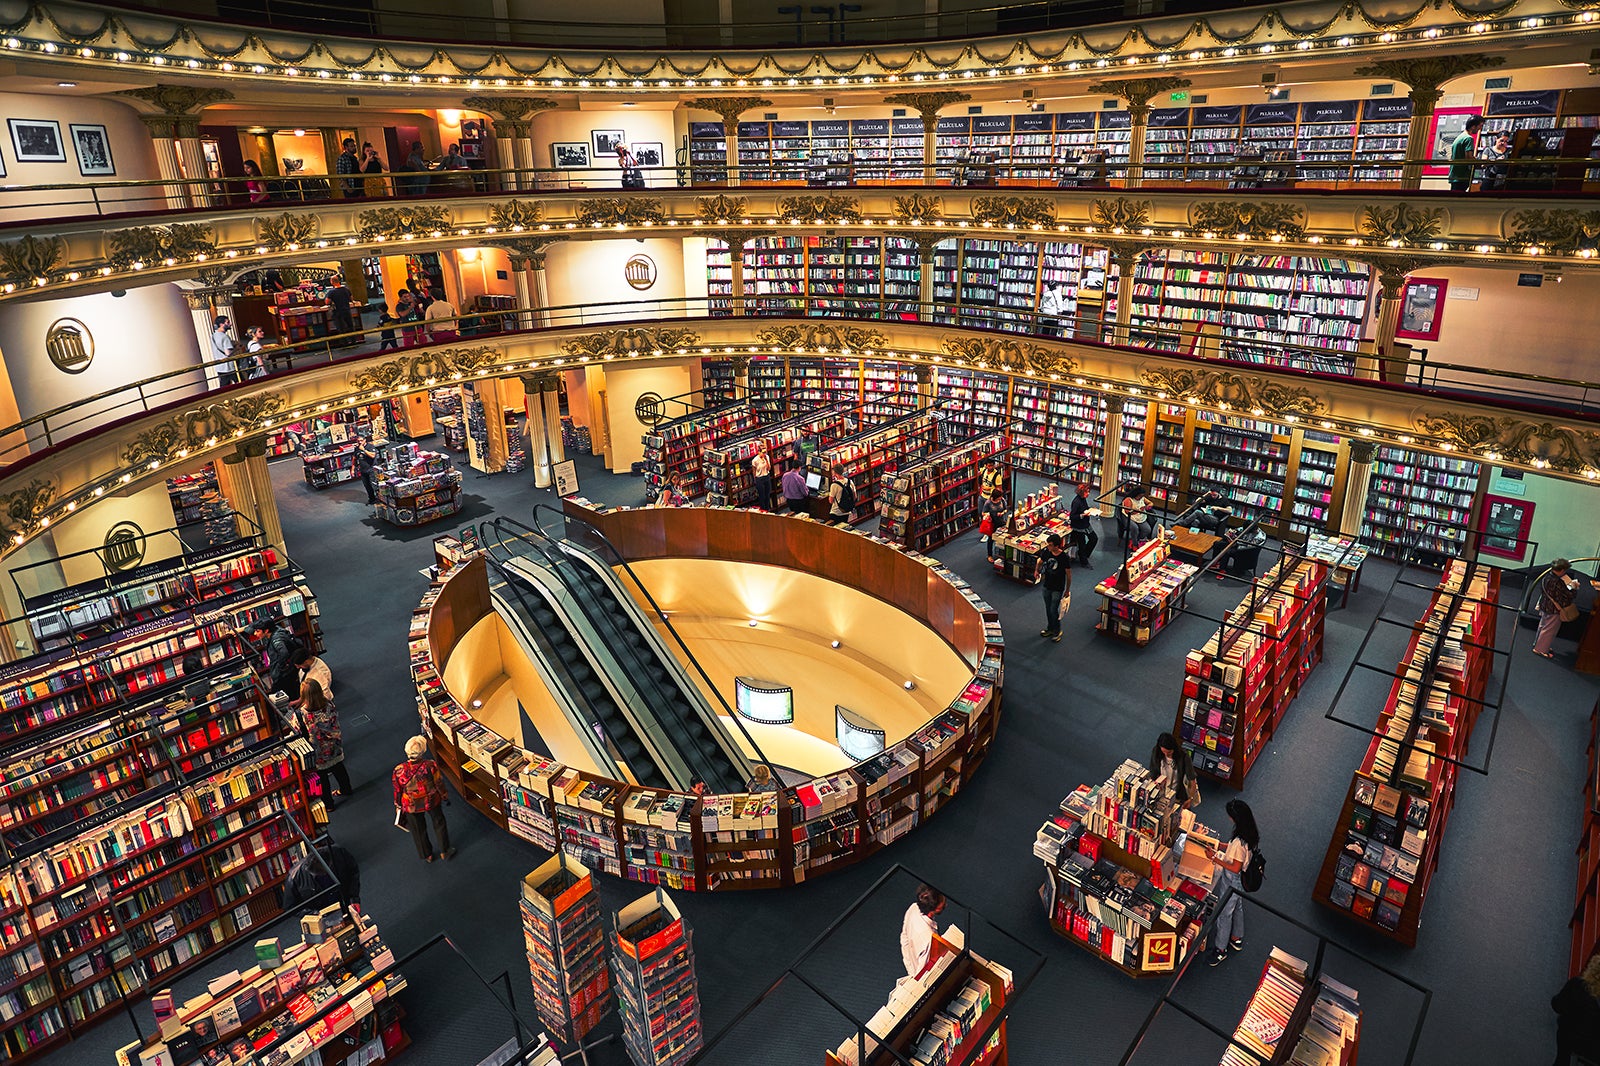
1214 136
825 817
769 387
744 838
1298 301
717 382
676 447
971 403
1385 845
1175 293
867 456
1238 686
932 502
1131 442
658 839
1032 520
658 997
888 390
1419 502
708 153
727 465
1114 883
1585 920
565 945
1158 587
416 487
1292 1019
1318 489
328 445
196 500
1381 139
1248 466
1057 431
1167 450
951 1015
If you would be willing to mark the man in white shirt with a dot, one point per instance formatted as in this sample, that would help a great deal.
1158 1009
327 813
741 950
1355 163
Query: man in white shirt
917 930
444 313
312 668
222 351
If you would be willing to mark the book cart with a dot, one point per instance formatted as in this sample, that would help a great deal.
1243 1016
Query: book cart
1292 996
1386 842
1239 684
716 842
1142 596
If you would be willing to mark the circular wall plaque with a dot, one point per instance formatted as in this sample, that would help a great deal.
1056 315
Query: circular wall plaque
640 270
123 548
70 345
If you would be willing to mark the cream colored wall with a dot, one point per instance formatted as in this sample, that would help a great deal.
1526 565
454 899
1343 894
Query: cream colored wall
641 124
132 154
585 274
150 509
624 386
478 267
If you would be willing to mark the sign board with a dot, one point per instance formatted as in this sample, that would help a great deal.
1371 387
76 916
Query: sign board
566 478
1530 281
1461 292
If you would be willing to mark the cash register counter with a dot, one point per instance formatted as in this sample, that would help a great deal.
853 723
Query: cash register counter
470 677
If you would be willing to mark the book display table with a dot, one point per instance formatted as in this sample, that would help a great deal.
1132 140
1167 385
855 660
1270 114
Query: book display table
1345 557
1126 873
1017 546
1157 586
416 487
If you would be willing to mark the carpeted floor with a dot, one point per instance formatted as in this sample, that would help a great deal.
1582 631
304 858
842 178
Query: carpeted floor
1494 935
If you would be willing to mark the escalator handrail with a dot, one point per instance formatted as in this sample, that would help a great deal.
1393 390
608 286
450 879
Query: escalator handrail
594 531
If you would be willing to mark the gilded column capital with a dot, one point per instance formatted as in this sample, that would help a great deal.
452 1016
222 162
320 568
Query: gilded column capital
505 109
1138 92
927 104
516 129
741 365
1125 252
729 107
186 126
1426 75
925 373
173 100
527 253
544 381
161 127
1392 271
735 238
1362 451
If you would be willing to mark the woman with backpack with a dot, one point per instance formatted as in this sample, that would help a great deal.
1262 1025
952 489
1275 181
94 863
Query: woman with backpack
1239 867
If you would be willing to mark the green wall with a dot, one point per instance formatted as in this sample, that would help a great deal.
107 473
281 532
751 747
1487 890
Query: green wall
1566 517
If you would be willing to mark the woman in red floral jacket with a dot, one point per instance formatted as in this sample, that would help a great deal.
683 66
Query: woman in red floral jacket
418 792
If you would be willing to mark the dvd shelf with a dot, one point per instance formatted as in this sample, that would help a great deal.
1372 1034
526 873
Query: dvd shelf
1419 502
1237 687
1381 139
1385 845
658 997
565 944
952 137
708 153
674 449
1166 144
1213 142
1246 466
934 501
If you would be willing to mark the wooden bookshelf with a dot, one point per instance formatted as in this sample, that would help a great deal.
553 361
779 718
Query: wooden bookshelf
957 1019
866 457
1585 921
1418 502
727 464
932 502
1385 846
676 448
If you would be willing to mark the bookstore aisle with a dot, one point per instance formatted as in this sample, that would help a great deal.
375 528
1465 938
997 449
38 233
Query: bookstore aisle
1495 928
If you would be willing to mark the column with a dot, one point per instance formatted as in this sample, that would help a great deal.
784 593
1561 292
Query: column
1391 279
927 105
741 376
513 119
233 481
925 247
926 386
519 275
1111 454
544 426
729 108
205 305
160 127
193 158
540 293
255 466
1358 476
1138 92
1127 258
736 275
730 141
1426 76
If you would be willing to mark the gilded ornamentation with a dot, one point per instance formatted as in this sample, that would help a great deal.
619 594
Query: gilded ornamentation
526 251
424 369
177 99
1394 269
1560 231
1121 213
156 244
412 220
1256 221
829 208
928 105
637 340
22 509
1139 91
203 426
1015 355
729 107
823 335
516 214
721 208
1238 391
31 257
288 228
735 237
918 208
1515 440
513 108
622 211
1013 210
1402 222
1425 75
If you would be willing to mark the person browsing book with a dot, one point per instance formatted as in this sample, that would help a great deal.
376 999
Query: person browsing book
1170 764
314 668
1231 862
1081 520
317 717
1135 508
793 487
917 930
761 473
994 512
1055 577
419 797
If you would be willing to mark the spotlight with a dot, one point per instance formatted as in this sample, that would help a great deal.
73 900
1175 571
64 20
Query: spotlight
909 686
753 623
836 644
476 704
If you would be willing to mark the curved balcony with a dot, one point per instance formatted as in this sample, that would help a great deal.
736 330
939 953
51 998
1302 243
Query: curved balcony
69 458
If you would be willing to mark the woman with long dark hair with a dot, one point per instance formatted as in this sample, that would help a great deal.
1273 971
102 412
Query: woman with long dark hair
1231 862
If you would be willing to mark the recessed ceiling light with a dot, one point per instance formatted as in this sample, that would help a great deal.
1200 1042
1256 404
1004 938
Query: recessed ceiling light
66 85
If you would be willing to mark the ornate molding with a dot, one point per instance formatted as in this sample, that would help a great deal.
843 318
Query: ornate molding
1403 222
622 211
31 257
424 369
1363 451
640 340
1394 269
843 338
156 244
1013 355
1256 221
918 208
174 100
927 105
516 214
287 229
513 108
392 223
203 427
729 107
721 208
1516 440
1231 391
1139 91
21 510
1121 213
735 237
1426 75
1559 231
527 251
828 208
1013 210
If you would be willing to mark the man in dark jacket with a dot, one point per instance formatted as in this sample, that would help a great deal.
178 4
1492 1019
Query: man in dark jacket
278 647
1083 525
1055 577
348 164
330 866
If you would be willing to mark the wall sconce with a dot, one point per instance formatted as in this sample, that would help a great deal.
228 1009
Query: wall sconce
450 116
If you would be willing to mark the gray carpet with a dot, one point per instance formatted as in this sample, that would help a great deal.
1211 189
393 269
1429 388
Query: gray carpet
1494 931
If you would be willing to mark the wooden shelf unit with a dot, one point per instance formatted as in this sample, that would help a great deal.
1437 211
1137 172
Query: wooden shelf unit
729 482
868 456
1158 587
1585 921
938 499
978 1046
677 447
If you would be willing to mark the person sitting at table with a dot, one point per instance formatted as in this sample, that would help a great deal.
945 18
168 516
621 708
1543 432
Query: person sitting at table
1135 508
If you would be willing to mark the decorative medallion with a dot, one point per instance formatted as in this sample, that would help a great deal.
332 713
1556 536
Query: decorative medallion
1256 221
1013 210
1238 391
1402 222
516 214
918 208
622 211
721 208
392 223
70 345
829 208
123 547
154 245
1012 355
640 271
31 257
649 409
635 340
1120 213
819 335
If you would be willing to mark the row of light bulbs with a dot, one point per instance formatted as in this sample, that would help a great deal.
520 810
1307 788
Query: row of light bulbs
1575 20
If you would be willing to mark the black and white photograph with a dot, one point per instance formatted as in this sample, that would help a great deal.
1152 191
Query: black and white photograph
606 142
37 140
648 154
94 150
569 154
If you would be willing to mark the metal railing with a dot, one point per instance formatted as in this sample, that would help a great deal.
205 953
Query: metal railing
81 418
27 204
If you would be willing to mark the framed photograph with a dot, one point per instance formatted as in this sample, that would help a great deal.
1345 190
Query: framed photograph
569 155
1160 952
1422 308
94 150
37 140
1447 123
1505 526
649 154
606 142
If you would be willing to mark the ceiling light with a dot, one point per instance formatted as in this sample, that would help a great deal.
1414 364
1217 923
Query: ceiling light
66 85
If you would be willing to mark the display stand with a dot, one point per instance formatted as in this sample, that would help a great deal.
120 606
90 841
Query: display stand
1386 843
934 501
1120 882
658 996
565 941
1237 687
727 464
1028 528
1142 596
416 487
328 443
676 448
